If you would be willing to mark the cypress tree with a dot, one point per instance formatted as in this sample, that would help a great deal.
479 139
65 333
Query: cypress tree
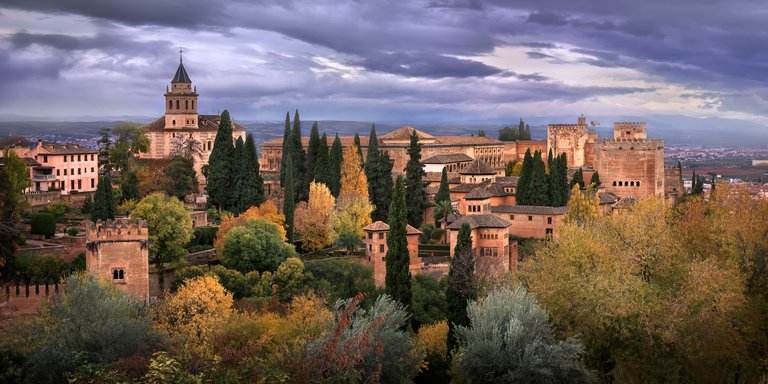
521 129
550 161
359 147
578 178
250 184
289 201
595 179
398 277
313 151
104 206
443 193
523 183
461 284
237 169
299 160
414 184
335 158
565 190
527 132
286 147
220 166
378 171
539 190
553 178
323 167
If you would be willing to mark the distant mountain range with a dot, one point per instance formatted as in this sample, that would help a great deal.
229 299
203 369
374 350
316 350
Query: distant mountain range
675 129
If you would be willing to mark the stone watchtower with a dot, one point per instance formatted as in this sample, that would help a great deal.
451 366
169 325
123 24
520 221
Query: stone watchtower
118 251
181 101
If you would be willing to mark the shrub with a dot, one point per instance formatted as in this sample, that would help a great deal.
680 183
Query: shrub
342 279
78 264
256 245
58 210
41 268
204 236
43 224
349 241
72 231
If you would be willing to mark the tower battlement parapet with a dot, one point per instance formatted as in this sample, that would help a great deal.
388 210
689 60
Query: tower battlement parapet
630 144
119 229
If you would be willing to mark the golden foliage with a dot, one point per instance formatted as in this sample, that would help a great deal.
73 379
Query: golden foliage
353 180
194 313
583 208
267 210
313 219
352 214
431 340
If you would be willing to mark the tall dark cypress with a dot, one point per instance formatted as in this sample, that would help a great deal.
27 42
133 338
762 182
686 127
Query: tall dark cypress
221 166
286 147
523 183
443 193
550 160
414 183
312 152
289 201
249 183
323 166
104 207
565 190
335 158
398 278
359 147
527 132
578 178
462 286
521 129
378 171
299 160
553 178
539 184
595 179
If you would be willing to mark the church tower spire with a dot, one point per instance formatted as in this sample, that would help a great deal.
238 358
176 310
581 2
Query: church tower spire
181 100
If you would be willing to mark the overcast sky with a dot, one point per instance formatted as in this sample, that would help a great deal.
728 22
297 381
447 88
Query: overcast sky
388 60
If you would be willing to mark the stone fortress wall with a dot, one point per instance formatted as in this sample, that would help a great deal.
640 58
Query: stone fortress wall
119 251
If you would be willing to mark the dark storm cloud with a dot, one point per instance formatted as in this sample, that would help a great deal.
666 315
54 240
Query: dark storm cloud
427 65
108 42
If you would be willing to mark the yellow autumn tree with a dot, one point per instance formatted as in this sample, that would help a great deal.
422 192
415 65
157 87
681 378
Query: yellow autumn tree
352 214
192 315
353 180
267 210
313 220
431 344
583 208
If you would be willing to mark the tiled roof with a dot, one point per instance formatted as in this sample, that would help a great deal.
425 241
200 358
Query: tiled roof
465 187
625 202
433 176
445 159
477 167
432 189
382 226
205 123
404 133
480 221
508 181
477 194
496 189
529 209
67 149
28 160
466 140
608 198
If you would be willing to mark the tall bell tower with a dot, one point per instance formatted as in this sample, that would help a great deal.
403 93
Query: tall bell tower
181 100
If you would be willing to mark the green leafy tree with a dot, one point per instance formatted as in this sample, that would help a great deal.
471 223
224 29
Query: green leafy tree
43 224
335 157
414 183
221 167
509 134
92 318
349 241
130 140
398 278
10 201
323 166
513 325
257 245
299 161
429 301
462 284
289 201
578 178
180 177
129 184
286 150
249 183
169 227
104 205
313 151
523 195
539 190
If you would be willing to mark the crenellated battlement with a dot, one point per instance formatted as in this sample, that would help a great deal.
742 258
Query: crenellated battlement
630 144
627 129
116 230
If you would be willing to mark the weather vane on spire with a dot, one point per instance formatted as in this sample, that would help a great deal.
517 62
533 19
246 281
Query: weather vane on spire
180 55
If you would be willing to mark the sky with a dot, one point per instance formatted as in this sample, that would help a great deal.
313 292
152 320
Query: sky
388 60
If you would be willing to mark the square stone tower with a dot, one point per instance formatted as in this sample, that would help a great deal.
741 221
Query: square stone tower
118 251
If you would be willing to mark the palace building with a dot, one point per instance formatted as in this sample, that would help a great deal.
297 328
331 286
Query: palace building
182 129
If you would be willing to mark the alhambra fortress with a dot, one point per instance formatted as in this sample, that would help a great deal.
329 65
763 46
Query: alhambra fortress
630 166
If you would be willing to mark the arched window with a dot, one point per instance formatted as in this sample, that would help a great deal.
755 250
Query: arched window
614 183
170 104
114 274
637 183
193 104
177 104
186 104
174 122
620 184
120 274
631 183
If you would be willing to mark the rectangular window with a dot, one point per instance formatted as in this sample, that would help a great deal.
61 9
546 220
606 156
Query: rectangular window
71 184
511 217
45 158
79 184
78 171
58 172
381 248
93 183
530 218
91 169
65 158
370 235
78 158
549 220
65 172
72 158
381 235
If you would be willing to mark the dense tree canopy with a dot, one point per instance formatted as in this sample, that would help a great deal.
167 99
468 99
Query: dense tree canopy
414 183
257 245
221 167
